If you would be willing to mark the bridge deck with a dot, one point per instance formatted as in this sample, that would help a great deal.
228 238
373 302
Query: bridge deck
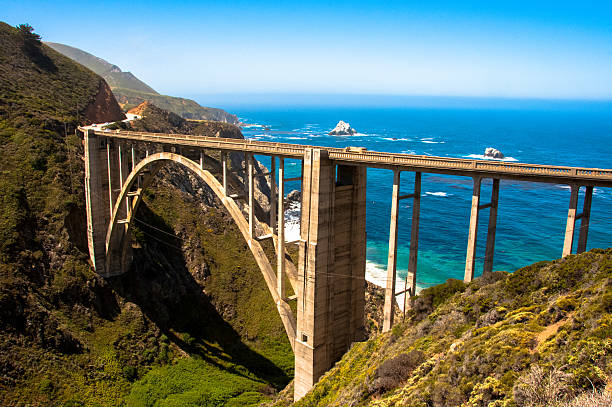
441 165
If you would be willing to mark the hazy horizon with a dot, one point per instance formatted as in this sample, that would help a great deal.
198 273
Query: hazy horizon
237 100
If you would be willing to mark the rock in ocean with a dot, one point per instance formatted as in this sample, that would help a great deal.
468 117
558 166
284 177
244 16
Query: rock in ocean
491 152
342 129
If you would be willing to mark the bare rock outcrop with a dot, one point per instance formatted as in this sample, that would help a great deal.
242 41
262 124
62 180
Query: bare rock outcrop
491 152
342 129
104 108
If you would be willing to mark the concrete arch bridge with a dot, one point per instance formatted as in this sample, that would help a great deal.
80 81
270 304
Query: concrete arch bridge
328 280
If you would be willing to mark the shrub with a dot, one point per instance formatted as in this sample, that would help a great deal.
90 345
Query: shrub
588 399
130 373
539 389
394 371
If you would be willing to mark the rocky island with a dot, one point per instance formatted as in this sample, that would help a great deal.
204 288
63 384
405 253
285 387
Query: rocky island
491 152
342 129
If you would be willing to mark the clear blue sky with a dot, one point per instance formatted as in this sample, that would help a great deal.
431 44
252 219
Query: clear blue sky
539 49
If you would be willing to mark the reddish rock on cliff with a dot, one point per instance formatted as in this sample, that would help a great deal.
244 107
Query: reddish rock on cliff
104 108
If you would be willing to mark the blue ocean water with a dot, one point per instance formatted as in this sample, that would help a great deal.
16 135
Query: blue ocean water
532 216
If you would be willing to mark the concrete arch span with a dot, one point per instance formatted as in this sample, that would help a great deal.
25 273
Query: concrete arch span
126 205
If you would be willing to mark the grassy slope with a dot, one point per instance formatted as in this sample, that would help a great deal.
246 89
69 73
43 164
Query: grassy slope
539 334
72 338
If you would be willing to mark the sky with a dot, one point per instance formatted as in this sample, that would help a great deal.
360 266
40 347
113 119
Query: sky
507 49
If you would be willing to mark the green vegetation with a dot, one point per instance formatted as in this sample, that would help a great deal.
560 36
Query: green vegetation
130 91
538 337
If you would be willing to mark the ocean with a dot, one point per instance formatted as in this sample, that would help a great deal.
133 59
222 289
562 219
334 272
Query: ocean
532 216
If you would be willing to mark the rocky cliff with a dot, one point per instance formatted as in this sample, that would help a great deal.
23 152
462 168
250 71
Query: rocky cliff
103 108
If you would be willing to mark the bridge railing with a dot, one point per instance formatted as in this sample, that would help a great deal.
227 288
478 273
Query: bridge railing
371 158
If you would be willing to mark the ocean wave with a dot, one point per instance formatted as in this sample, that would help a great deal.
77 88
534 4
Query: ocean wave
408 152
483 157
429 140
297 138
377 275
441 194
292 222
395 139
596 191
262 136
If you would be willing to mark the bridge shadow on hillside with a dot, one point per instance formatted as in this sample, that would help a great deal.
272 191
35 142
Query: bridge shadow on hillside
160 284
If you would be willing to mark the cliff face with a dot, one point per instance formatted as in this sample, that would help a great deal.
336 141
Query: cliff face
104 107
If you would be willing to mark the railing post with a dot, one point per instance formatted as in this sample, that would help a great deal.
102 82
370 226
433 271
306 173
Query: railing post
392 257
470 258
571 221
280 253
584 220
224 164
201 159
490 250
410 285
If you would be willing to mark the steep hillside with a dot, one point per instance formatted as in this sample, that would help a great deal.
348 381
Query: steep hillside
130 91
180 327
538 337
111 73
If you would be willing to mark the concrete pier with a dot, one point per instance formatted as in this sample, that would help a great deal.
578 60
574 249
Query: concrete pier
410 286
392 256
97 187
585 219
470 258
571 221
332 255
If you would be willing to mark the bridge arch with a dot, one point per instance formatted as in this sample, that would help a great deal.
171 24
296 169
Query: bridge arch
126 205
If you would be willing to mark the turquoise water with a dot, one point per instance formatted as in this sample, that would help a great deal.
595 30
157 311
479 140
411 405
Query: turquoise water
532 216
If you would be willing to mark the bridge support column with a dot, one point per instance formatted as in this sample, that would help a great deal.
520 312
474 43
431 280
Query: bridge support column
332 255
584 220
410 286
96 198
490 250
392 257
273 194
124 170
111 181
249 159
571 221
470 258
224 165
280 249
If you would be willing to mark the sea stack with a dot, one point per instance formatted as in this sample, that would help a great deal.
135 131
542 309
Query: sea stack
491 152
342 129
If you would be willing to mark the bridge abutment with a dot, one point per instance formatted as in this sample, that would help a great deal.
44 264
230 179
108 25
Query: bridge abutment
331 267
